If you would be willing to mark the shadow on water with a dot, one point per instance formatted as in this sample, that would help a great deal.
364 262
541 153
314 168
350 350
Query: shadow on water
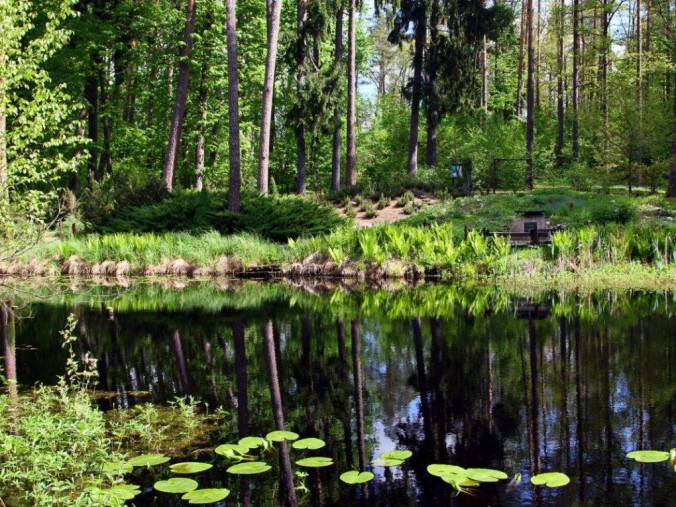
471 376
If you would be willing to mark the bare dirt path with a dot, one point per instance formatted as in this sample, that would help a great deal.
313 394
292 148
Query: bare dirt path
390 213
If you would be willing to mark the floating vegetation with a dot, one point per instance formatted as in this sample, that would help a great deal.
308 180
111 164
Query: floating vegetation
400 455
204 496
190 467
115 496
648 456
485 474
176 485
315 462
148 460
253 443
356 477
233 452
309 443
550 479
281 436
250 468
386 462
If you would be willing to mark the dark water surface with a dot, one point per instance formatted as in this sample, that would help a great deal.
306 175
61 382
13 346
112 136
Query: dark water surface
473 377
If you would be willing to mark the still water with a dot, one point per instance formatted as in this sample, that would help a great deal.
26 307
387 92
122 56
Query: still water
476 377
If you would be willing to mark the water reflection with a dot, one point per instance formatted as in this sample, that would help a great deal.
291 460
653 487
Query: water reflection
477 378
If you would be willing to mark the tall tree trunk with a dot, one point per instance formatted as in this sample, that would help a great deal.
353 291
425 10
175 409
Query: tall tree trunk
484 74
559 84
178 113
234 154
522 42
530 94
91 94
576 80
639 89
338 55
80 133
274 9
671 191
358 392
433 113
105 163
8 349
201 137
351 159
539 56
287 492
604 75
420 39
4 169
301 78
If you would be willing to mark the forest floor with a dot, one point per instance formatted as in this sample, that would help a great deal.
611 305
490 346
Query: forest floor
391 212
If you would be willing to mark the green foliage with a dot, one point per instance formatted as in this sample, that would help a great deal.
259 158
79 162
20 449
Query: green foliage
276 218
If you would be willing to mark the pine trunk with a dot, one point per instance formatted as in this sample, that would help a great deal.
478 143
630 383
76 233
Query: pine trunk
522 41
671 192
576 80
335 162
420 39
559 87
201 137
433 113
180 99
301 57
234 150
91 95
530 94
274 9
351 159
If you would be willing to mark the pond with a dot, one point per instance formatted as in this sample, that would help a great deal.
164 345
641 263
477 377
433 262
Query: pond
470 376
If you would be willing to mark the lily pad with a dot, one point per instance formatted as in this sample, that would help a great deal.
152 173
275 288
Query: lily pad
192 467
309 443
280 436
252 442
356 477
400 455
249 468
442 470
387 462
148 460
117 468
176 485
550 479
315 462
485 475
649 456
459 481
203 496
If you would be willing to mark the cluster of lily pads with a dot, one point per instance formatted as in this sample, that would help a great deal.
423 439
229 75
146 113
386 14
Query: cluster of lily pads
244 463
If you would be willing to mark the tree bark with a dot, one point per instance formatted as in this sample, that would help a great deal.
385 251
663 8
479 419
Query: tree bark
91 95
4 169
351 159
530 94
335 162
234 155
639 90
559 85
105 163
274 9
604 75
576 80
420 39
522 42
287 492
484 74
301 58
201 137
433 113
180 99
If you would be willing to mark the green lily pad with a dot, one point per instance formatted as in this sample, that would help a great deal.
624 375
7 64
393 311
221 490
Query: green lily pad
309 443
116 468
203 496
233 452
192 467
400 455
148 460
356 477
249 468
387 462
280 436
550 479
649 456
459 481
252 442
315 462
442 470
176 485
485 475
